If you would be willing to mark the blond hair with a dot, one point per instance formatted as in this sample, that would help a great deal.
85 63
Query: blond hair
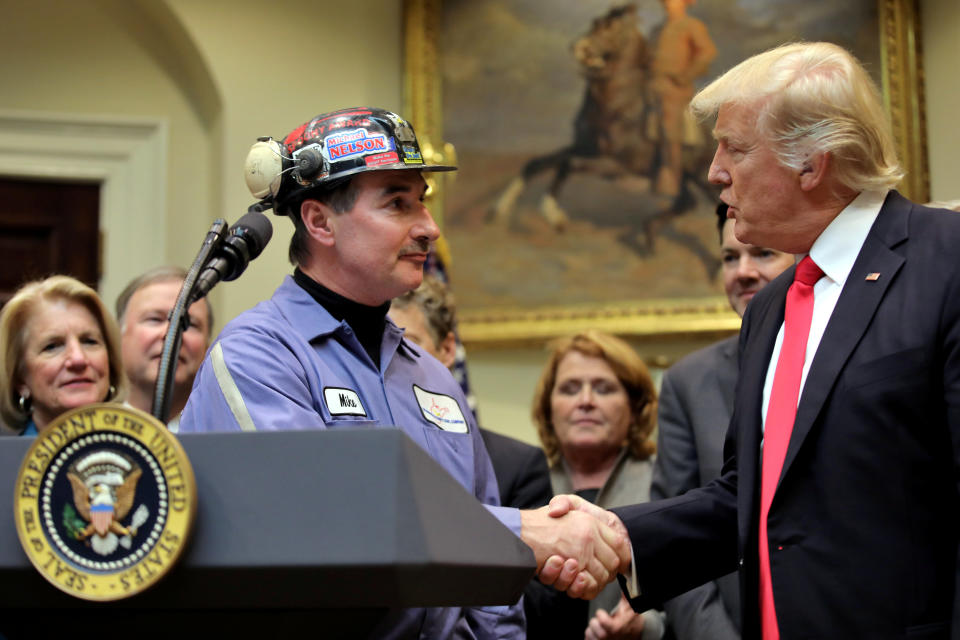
629 369
813 97
14 321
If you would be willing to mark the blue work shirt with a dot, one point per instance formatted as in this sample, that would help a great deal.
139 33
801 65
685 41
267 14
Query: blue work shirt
288 364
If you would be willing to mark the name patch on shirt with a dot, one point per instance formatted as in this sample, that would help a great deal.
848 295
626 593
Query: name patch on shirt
441 410
343 402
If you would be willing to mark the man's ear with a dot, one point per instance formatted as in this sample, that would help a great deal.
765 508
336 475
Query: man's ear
814 171
317 218
447 350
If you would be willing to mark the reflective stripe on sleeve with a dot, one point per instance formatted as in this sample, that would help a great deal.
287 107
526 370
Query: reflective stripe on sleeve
231 392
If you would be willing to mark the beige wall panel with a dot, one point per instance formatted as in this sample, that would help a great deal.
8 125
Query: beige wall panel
80 58
940 21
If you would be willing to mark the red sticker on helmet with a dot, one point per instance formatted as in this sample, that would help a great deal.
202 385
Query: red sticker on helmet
294 140
381 158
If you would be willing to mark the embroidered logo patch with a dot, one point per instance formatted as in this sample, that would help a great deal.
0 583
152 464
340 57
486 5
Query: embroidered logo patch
441 410
343 402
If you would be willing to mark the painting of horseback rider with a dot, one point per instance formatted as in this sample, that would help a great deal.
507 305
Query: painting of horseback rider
630 127
579 167
614 58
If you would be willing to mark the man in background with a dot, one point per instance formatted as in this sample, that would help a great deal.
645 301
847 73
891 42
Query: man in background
696 402
142 311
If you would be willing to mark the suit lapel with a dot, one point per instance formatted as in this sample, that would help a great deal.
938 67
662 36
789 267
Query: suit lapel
855 308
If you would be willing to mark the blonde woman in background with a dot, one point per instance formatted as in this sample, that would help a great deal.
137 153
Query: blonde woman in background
60 350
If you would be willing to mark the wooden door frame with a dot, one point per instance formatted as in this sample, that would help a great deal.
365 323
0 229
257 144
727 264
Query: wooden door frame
126 156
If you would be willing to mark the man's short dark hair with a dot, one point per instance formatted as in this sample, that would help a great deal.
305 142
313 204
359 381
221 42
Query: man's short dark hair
340 197
165 273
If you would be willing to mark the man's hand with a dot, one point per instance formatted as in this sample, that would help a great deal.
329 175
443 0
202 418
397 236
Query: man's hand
622 623
577 551
562 504
559 571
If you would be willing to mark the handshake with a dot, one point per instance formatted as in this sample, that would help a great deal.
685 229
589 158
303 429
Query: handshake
579 546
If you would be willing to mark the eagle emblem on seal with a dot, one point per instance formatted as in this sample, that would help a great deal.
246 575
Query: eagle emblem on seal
104 486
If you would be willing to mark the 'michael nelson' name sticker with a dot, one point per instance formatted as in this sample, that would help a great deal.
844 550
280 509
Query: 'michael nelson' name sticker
105 501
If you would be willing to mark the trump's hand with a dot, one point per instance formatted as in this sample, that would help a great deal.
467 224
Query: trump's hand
575 551
558 571
562 504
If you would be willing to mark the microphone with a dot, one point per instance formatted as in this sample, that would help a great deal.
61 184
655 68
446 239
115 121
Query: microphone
245 241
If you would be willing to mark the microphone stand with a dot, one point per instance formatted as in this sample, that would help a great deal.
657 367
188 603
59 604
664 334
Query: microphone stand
178 322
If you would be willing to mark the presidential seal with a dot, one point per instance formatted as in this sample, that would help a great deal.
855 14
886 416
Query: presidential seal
104 502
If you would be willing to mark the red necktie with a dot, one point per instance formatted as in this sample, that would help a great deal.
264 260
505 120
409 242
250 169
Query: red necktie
781 412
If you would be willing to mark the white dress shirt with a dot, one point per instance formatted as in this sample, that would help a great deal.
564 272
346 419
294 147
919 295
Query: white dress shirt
834 251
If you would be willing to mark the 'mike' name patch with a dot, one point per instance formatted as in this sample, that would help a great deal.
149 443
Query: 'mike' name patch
343 402
441 410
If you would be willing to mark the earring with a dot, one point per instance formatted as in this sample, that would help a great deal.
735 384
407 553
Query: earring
113 392
25 405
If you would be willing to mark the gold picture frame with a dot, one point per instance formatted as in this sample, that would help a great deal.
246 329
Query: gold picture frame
661 318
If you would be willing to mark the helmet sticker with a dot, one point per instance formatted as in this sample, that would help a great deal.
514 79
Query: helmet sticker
358 142
295 138
343 123
411 154
390 157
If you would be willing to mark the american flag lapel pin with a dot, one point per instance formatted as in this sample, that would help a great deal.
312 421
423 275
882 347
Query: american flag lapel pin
873 277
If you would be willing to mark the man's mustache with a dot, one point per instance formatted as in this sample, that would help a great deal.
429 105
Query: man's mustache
421 245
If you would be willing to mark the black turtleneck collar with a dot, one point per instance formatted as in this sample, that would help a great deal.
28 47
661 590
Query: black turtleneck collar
367 323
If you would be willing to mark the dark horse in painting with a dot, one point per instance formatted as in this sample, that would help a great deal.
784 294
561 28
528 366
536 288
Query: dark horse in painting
615 135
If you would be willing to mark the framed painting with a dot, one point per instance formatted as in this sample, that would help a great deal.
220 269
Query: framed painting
581 199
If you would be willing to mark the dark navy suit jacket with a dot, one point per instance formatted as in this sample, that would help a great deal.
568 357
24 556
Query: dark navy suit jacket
865 522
